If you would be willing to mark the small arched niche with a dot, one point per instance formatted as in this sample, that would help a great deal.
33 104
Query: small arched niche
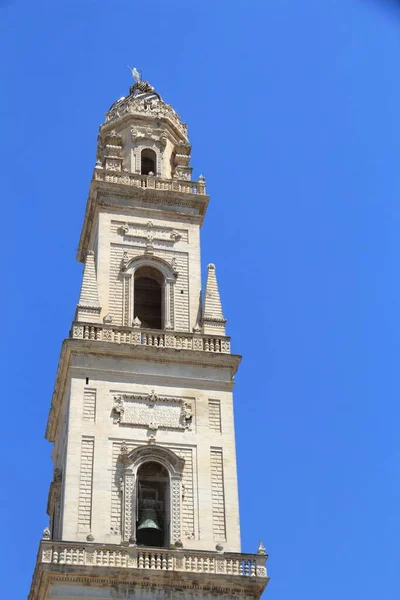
153 510
148 162
148 297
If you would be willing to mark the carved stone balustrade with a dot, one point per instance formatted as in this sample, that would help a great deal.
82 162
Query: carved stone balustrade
150 182
133 557
147 337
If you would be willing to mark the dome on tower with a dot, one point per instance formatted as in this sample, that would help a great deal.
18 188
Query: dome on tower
144 102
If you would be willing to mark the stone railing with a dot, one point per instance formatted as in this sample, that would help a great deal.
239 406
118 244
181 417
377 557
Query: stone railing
146 337
188 561
150 182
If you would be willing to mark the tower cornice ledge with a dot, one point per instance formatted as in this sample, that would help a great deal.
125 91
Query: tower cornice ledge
124 351
119 190
94 565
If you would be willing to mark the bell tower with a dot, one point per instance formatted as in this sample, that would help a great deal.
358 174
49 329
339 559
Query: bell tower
144 499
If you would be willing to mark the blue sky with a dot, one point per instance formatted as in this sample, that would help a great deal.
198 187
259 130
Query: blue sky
293 113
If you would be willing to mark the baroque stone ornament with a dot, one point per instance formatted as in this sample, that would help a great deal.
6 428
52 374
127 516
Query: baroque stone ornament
261 549
46 534
152 411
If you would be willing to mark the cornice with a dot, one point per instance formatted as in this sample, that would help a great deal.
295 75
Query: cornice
104 194
79 347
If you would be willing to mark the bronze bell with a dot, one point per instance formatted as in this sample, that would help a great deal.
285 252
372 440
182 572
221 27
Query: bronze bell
148 519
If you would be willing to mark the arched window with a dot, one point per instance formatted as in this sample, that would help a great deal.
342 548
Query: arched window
148 295
152 526
151 480
148 162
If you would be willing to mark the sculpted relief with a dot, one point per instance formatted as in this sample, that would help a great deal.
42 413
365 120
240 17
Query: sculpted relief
152 411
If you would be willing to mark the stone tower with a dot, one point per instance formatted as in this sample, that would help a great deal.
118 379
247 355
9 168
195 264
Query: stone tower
144 500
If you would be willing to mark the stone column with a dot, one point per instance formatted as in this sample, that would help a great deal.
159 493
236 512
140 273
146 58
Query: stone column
168 289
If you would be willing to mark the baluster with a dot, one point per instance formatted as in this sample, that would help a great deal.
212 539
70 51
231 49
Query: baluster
253 568
237 567
164 565
211 345
146 560
212 565
85 332
161 344
140 561
55 557
152 561
170 562
206 345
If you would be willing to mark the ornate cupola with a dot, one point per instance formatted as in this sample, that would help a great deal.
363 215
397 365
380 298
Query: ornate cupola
144 497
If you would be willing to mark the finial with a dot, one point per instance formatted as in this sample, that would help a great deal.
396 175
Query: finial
261 549
136 323
46 534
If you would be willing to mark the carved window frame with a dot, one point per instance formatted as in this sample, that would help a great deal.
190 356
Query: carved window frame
141 144
132 461
168 292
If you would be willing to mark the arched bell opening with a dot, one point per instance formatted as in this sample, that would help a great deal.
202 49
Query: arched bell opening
152 527
148 297
148 162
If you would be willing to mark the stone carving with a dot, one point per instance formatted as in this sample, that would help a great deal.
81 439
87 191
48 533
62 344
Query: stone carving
136 323
149 133
175 235
176 511
124 229
46 534
152 411
124 261
158 233
107 319
261 549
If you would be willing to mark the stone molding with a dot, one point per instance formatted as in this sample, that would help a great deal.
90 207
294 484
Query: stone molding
106 190
168 272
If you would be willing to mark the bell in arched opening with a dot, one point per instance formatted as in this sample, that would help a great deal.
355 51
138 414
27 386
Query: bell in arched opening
153 506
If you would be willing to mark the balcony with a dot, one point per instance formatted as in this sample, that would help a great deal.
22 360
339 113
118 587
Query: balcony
147 337
150 182
105 564
155 559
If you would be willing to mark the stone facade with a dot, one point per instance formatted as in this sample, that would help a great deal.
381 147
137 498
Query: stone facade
128 395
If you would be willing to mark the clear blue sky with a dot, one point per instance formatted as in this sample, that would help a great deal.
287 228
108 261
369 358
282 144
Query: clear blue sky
293 113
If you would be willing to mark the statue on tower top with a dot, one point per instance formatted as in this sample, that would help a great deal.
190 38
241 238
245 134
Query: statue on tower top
137 76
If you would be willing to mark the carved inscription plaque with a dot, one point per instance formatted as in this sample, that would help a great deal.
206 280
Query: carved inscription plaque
152 411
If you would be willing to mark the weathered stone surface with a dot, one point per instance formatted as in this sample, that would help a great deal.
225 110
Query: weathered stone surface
126 395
